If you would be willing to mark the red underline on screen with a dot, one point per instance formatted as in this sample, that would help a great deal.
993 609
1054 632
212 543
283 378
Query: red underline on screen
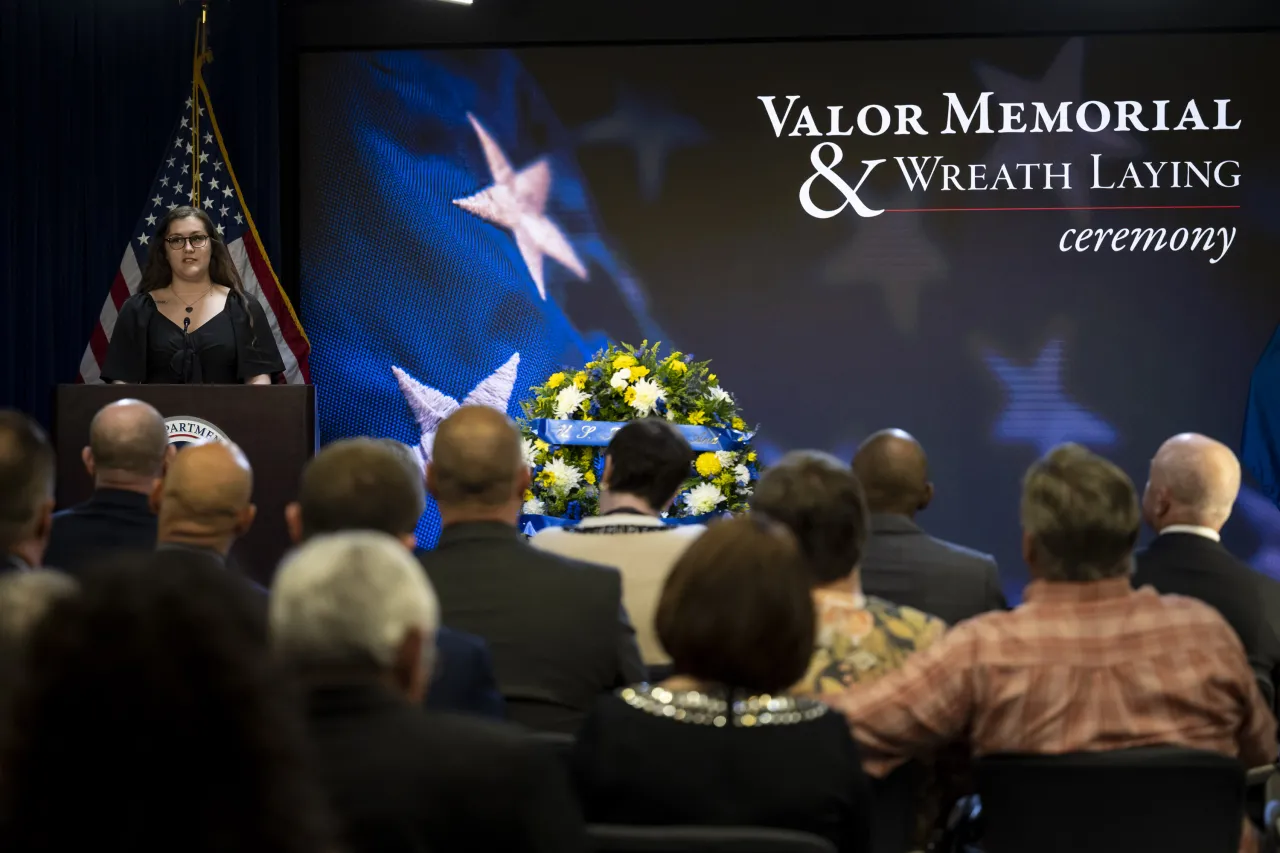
1099 207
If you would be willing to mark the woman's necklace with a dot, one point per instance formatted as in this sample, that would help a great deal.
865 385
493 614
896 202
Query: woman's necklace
190 305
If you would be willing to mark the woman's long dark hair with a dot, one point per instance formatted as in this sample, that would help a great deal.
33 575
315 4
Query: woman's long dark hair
150 718
157 273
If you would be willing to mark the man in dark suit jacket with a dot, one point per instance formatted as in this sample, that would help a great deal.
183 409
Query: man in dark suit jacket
557 628
1191 488
375 484
26 492
903 563
353 615
127 453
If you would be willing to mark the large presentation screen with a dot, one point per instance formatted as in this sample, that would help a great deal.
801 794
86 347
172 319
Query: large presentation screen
996 244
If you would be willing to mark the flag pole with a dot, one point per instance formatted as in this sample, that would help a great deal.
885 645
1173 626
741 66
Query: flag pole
201 55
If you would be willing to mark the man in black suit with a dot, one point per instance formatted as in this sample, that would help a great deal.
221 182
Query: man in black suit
376 484
557 628
353 614
26 492
1191 489
904 564
127 453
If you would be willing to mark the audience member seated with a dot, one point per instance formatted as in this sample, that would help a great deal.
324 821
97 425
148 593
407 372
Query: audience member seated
127 453
376 484
556 627
204 502
353 614
24 599
1085 663
860 637
903 563
646 463
717 743
26 492
1190 492
149 719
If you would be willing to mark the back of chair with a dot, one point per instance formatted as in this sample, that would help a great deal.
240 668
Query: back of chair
559 745
606 838
895 798
1159 798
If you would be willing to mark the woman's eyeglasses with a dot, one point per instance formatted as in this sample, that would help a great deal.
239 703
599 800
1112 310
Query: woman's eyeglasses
177 241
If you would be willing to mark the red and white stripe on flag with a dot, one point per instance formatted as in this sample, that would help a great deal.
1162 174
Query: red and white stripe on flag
199 154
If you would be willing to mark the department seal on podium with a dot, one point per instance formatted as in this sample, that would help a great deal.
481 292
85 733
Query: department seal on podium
183 430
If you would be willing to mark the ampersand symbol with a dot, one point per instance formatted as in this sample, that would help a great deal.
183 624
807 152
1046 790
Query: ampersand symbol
826 170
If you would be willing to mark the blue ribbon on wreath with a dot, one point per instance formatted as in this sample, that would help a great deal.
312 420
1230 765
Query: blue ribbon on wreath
598 434
531 524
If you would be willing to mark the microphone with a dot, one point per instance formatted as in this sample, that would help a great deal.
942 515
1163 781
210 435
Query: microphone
186 325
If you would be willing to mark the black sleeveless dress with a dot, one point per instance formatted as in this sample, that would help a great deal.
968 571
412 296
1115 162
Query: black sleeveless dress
149 348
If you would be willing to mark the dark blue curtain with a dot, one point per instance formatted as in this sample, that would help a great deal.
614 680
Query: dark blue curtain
89 92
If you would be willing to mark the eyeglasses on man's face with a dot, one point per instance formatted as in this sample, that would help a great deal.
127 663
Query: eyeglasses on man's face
177 241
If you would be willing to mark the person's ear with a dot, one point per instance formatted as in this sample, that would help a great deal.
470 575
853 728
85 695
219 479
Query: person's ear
293 521
409 666
431 480
524 479
86 456
245 520
927 498
169 452
44 520
410 541
157 497
607 474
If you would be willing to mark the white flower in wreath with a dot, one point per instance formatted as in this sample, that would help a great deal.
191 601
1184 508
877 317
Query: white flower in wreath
564 477
703 498
533 506
568 401
647 394
530 453
742 475
727 458
620 379
671 415
719 395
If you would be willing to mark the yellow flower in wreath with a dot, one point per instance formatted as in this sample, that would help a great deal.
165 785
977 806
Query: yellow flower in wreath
546 478
555 380
623 361
678 367
639 372
698 418
580 380
590 477
739 423
708 465
630 396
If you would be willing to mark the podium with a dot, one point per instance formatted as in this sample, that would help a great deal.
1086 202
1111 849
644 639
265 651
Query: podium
275 426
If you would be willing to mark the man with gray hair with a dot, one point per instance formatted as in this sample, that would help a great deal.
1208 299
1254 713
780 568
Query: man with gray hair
1191 489
1085 663
126 456
354 615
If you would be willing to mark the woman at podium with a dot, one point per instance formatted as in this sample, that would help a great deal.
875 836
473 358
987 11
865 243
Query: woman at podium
191 321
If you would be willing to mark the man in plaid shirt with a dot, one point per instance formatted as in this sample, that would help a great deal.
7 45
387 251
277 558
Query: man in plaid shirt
1086 663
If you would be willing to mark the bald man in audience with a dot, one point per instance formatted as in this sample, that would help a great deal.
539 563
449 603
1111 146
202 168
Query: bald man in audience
903 563
26 492
1191 489
204 502
126 456
556 627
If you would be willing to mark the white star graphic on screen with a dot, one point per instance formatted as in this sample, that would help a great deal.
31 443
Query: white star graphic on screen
143 239
1037 409
208 139
430 406
239 219
650 129
892 252
1062 83
226 191
222 211
151 220
516 201
213 183
217 165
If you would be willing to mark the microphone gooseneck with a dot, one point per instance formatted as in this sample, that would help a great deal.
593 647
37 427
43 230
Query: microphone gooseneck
186 325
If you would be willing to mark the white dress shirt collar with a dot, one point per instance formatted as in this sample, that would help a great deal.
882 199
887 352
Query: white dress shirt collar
1194 529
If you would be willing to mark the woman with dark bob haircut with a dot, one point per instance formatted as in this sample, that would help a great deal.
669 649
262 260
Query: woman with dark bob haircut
716 744
149 718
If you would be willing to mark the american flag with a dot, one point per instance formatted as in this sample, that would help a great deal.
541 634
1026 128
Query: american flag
197 152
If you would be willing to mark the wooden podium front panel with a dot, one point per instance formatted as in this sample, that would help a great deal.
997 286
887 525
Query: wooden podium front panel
274 425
